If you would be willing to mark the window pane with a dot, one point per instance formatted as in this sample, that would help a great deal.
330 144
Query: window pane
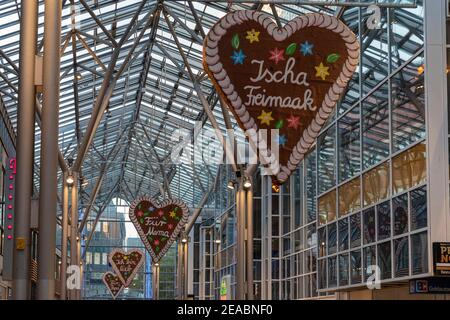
408 106
419 252
327 157
353 94
355 230
375 50
327 207
355 270
376 184
332 238
369 225
307 285
419 208
350 197
332 272
384 220
343 234
376 127
400 207
349 145
322 273
311 235
401 257
409 168
384 260
322 241
369 260
343 269
298 192
310 162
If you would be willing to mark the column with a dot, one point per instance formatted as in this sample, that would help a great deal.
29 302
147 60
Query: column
437 124
25 148
74 236
240 242
249 258
64 238
49 151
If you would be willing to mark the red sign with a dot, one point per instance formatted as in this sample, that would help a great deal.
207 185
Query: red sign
113 283
158 225
126 264
284 80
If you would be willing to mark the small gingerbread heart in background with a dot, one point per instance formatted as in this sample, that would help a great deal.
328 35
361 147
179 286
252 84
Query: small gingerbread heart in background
113 283
126 264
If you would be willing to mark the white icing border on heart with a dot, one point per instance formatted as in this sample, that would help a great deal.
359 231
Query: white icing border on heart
154 203
117 271
107 285
213 66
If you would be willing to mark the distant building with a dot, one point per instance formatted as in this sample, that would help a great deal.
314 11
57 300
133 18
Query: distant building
109 234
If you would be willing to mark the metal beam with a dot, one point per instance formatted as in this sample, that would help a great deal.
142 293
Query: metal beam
99 23
111 156
197 88
106 90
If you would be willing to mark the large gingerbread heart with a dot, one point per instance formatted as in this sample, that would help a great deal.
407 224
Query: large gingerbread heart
158 225
113 283
126 264
288 78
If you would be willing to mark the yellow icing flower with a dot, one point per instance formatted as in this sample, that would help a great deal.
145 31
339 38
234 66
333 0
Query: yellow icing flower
252 36
322 71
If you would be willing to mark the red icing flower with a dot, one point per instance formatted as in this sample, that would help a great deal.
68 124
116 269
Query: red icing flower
140 213
156 242
161 213
294 122
276 55
170 226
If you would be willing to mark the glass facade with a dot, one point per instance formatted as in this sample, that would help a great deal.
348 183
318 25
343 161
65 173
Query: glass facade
359 199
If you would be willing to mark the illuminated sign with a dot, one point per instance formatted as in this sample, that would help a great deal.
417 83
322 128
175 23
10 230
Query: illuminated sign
430 285
11 173
225 290
441 258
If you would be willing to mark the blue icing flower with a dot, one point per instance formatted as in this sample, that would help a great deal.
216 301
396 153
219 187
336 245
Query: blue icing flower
306 48
282 140
238 57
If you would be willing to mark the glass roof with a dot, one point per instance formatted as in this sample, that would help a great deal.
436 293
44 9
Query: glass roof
153 96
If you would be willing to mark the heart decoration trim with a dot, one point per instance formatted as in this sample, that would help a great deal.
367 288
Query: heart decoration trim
113 283
313 57
126 264
158 225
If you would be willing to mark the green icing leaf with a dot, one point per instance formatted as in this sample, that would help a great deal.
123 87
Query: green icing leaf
290 50
332 58
279 124
141 220
235 41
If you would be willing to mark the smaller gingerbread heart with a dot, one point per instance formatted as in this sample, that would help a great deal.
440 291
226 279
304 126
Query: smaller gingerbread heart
113 283
158 225
126 264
